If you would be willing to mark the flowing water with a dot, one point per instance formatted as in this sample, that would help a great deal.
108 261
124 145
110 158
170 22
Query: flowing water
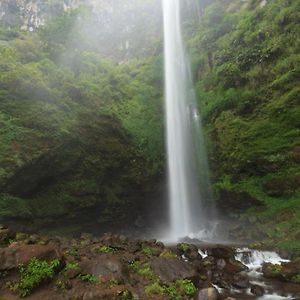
254 260
188 172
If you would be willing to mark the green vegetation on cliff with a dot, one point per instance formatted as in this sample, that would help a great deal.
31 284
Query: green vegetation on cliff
78 130
247 68
81 129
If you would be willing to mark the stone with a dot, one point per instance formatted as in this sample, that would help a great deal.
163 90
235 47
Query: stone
257 290
272 271
193 253
234 266
240 282
105 265
12 257
210 293
221 252
290 269
5 235
72 273
171 269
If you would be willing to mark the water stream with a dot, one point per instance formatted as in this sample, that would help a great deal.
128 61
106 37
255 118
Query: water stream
188 172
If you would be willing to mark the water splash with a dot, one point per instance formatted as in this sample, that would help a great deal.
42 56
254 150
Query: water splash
188 172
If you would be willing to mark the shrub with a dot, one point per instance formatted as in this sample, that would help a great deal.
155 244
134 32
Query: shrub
34 274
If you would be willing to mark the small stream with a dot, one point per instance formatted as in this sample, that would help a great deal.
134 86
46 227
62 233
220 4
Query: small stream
273 289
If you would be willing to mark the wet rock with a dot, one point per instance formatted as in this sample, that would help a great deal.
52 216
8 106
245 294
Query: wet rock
72 273
12 257
257 290
193 253
170 269
210 293
21 236
222 252
240 282
221 263
272 271
134 247
224 284
291 268
189 251
5 235
234 266
105 265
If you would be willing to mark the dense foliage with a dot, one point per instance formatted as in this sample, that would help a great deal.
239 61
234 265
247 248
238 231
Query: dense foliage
77 129
247 68
82 126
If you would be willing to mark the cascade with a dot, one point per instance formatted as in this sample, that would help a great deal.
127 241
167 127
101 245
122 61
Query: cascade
188 175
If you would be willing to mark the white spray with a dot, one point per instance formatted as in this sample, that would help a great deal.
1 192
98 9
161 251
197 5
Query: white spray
187 160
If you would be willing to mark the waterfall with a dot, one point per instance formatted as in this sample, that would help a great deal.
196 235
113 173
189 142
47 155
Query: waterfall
188 172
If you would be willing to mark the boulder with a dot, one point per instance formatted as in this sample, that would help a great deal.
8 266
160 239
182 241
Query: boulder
210 293
233 266
272 271
106 265
257 290
193 254
12 257
240 282
221 252
5 235
171 269
290 269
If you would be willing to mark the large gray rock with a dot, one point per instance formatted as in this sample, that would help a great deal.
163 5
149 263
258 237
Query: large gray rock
106 265
210 293
257 290
16 255
171 269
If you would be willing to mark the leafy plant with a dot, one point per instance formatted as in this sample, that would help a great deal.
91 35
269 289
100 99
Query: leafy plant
186 286
72 266
34 274
90 278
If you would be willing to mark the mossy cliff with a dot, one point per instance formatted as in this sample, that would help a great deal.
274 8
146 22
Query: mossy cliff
247 67
82 127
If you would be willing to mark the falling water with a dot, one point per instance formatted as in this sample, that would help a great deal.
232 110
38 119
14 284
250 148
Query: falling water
187 160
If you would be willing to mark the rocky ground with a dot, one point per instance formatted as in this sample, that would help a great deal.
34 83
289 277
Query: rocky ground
115 267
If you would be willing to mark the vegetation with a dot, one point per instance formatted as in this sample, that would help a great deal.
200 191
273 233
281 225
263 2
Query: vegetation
81 123
176 291
99 122
34 274
90 278
246 68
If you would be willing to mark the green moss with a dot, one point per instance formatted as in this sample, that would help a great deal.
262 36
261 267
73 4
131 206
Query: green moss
142 269
296 278
147 251
146 271
72 266
105 249
154 289
168 254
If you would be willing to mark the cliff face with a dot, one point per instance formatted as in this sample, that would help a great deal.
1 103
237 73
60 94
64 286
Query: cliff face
123 29
29 15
